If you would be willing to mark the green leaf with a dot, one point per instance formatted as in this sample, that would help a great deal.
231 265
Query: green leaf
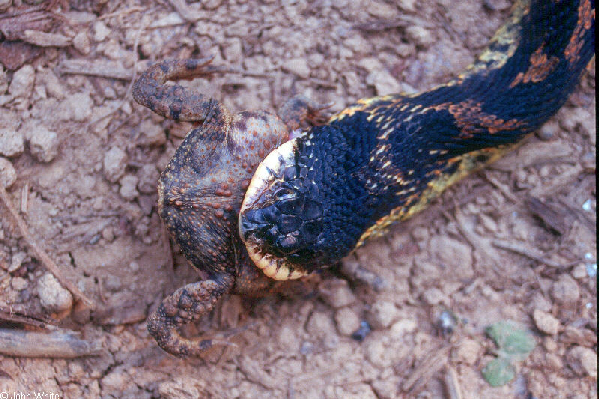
499 372
513 341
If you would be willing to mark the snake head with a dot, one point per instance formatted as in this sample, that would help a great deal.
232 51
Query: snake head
281 219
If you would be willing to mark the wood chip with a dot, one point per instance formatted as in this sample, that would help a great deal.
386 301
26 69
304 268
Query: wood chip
52 345
44 39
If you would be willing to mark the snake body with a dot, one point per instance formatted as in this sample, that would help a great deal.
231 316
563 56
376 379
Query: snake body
319 196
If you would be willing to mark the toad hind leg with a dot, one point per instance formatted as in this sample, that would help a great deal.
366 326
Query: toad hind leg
187 304
174 101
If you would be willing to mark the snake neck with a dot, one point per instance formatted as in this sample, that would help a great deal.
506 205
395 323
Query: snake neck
385 158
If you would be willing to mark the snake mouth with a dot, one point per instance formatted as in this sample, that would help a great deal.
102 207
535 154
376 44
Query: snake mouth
260 219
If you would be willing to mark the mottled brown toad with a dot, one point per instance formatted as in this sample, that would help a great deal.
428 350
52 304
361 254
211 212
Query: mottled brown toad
201 190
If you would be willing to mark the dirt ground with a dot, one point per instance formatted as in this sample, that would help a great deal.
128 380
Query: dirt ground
513 242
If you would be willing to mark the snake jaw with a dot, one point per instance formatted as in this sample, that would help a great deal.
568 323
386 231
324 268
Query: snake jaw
260 220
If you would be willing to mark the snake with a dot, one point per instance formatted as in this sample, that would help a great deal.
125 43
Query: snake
320 195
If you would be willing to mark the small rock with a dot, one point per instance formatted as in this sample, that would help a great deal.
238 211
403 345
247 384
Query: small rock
82 43
76 107
347 321
546 322
377 351
407 5
148 179
115 161
4 4
381 10
297 66
565 290
3 80
233 51
53 86
387 388
22 82
419 35
8 175
129 187
403 327
583 361
454 256
469 352
549 130
53 297
43 144
382 314
151 133
101 31
336 293
320 325
434 296
580 272
553 362
18 283
12 143
383 82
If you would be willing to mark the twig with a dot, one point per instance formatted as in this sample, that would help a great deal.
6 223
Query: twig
504 190
434 361
517 249
82 67
452 384
49 263
53 345
10 316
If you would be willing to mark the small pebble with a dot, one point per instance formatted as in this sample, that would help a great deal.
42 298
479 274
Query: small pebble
583 361
419 35
43 144
549 130
565 290
18 283
76 107
468 352
53 297
297 66
407 5
12 143
8 175
546 322
148 179
101 31
382 314
379 9
434 296
82 43
129 187
362 332
115 161
320 325
337 293
22 82
347 321
151 133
